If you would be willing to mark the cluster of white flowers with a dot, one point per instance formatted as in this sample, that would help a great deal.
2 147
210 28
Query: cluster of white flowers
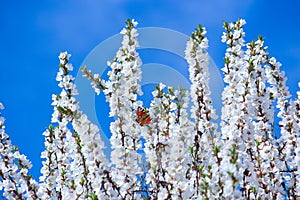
286 144
14 166
235 126
205 166
75 164
167 144
161 152
255 82
261 149
121 93
96 81
297 150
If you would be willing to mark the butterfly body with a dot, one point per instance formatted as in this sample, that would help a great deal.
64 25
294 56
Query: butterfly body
143 116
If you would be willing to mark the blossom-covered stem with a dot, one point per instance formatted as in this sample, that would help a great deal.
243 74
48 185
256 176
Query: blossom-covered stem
253 104
297 150
167 162
180 133
14 177
203 113
93 161
121 93
289 129
96 81
263 152
235 125
289 134
58 139
285 144
75 161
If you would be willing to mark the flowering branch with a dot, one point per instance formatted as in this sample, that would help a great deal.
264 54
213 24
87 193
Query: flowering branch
121 93
14 177
205 167
75 162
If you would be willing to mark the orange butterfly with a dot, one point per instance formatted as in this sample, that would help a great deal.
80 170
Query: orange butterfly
142 116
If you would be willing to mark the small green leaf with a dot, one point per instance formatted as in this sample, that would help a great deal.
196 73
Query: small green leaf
191 150
93 196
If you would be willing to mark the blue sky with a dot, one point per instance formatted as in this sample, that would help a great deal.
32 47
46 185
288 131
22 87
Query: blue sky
33 33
